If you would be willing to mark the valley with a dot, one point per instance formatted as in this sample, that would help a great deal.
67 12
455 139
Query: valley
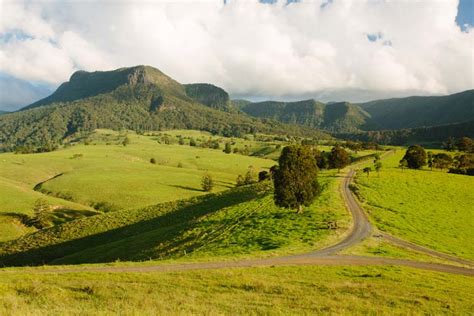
131 184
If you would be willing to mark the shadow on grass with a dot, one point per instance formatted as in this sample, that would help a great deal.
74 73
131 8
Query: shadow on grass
187 188
166 227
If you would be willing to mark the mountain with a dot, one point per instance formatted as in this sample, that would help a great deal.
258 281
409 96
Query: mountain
434 135
210 95
3 112
239 103
414 116
139 98
413 112
334 117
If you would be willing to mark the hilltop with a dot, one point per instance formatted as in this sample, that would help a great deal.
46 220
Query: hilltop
139 98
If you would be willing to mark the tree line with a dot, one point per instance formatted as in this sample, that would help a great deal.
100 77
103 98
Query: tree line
416 157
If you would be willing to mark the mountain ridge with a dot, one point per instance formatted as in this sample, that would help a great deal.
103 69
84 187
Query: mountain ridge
139 98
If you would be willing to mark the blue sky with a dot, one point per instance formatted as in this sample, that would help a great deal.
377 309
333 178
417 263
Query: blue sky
327 49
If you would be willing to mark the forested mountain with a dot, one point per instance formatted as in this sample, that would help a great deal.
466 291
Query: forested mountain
334 117
418 111
415 115
210 95
239 103
433 134
139 98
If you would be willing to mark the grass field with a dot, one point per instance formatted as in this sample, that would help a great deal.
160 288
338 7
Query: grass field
239 222
431 208
109 176
123 175
268 291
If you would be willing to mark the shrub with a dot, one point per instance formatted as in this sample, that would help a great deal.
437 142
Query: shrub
207 183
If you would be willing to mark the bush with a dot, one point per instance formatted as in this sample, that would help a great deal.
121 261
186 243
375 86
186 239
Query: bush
207 183
153 161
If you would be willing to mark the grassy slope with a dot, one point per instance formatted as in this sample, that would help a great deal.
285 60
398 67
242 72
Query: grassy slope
124 176
17 200
431 208
242 221
278 290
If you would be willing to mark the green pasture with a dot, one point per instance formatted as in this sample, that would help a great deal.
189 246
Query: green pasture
247 291
431 208
240 222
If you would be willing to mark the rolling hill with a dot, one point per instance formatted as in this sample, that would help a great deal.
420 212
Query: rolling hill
138 98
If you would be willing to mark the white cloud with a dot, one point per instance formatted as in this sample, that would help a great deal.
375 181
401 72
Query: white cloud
247 47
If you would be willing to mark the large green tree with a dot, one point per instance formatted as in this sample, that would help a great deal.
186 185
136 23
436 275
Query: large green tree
415 157
338 158
295 178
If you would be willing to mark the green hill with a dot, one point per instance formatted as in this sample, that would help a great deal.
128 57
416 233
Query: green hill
139 98
413 112
240 221
334 117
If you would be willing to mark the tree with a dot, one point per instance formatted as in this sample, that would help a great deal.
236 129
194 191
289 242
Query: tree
40 217
465 144
338 158
295 179
322 159
263 175
249 176
430 160
207 183
415 157
240 180
153 160
442 161
126 141
403 164
215 144
464 161
378 166
367 170
449 145
181 140
192 142
228 148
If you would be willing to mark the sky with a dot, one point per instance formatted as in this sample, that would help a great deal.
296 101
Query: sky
330 50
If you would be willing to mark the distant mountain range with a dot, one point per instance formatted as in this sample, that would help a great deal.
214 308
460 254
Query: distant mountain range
139 98
389 114
143 98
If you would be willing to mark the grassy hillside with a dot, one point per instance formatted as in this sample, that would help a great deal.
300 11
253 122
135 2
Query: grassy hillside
414 112
16 202
109 176
431 208
241 221
106 171
269 291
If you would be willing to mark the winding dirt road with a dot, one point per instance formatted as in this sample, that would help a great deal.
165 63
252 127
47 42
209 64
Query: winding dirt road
361 229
